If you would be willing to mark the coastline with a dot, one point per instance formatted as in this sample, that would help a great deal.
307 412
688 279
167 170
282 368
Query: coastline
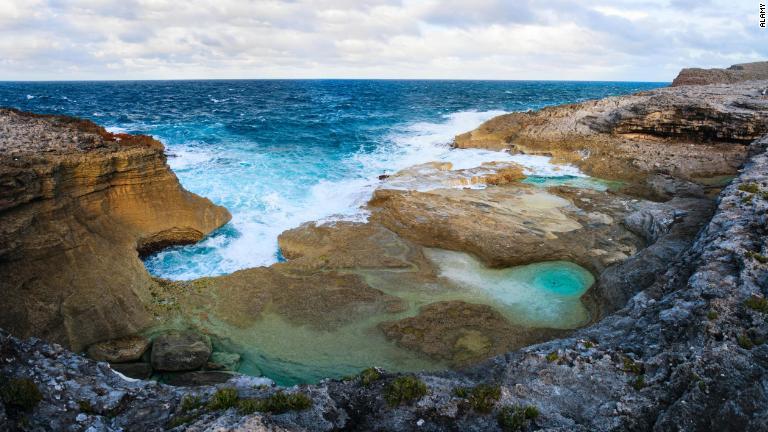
643 275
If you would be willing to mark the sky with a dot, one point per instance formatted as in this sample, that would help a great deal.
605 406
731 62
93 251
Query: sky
644 40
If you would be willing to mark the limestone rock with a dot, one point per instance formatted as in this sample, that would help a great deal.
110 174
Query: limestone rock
180 351
688 132
122 350
435 175
733 74
76 205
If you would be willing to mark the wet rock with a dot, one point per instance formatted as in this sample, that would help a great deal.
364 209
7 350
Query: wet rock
138 370
180 351
122 350
460 332
435 175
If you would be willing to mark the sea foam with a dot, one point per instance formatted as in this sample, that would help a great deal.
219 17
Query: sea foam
264 201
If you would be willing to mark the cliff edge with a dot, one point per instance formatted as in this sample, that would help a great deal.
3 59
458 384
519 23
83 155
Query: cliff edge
733 74
75 196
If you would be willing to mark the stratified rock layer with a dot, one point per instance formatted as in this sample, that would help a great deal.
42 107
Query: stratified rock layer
76 205
688 132
733 74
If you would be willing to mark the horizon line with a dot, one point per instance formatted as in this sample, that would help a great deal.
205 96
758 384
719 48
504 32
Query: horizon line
320 79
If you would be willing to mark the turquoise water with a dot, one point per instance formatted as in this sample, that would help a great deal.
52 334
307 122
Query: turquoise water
546 294
572 181
537 295
278 153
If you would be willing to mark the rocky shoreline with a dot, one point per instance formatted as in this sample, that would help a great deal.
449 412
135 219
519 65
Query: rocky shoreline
678 312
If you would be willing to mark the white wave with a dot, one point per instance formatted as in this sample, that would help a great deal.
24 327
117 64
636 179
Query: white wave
266 201
30 97
183 157
116 129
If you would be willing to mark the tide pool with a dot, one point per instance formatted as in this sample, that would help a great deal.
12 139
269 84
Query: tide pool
542 295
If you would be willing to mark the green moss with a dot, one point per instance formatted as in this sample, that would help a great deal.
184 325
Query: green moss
462 392
512 419
248 406
85 406
224 398
638 383
553 356
369 376
702 386
633 367
21 393
712 315
757 257
483 397
759 304
747 199
749 187
278 403
745 341
530 412
588 344
190 403
404 389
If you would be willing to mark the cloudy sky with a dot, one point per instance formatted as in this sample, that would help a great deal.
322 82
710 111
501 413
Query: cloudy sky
469 39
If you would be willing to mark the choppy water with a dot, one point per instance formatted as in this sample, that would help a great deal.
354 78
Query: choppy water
278 153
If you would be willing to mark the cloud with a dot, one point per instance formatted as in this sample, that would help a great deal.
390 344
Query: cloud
483 39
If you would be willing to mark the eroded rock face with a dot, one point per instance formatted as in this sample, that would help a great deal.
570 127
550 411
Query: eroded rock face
687 132
733 74
76 204
180 351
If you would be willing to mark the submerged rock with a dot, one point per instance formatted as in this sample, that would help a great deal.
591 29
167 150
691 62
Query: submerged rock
460 332
180 351
122 350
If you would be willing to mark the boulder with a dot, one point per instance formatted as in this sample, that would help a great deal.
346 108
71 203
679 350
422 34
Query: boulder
180 351
122 350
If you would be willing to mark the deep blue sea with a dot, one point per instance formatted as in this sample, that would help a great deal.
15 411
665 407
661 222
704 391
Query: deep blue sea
278 153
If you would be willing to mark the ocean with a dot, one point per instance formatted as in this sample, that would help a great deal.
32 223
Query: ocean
278 153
